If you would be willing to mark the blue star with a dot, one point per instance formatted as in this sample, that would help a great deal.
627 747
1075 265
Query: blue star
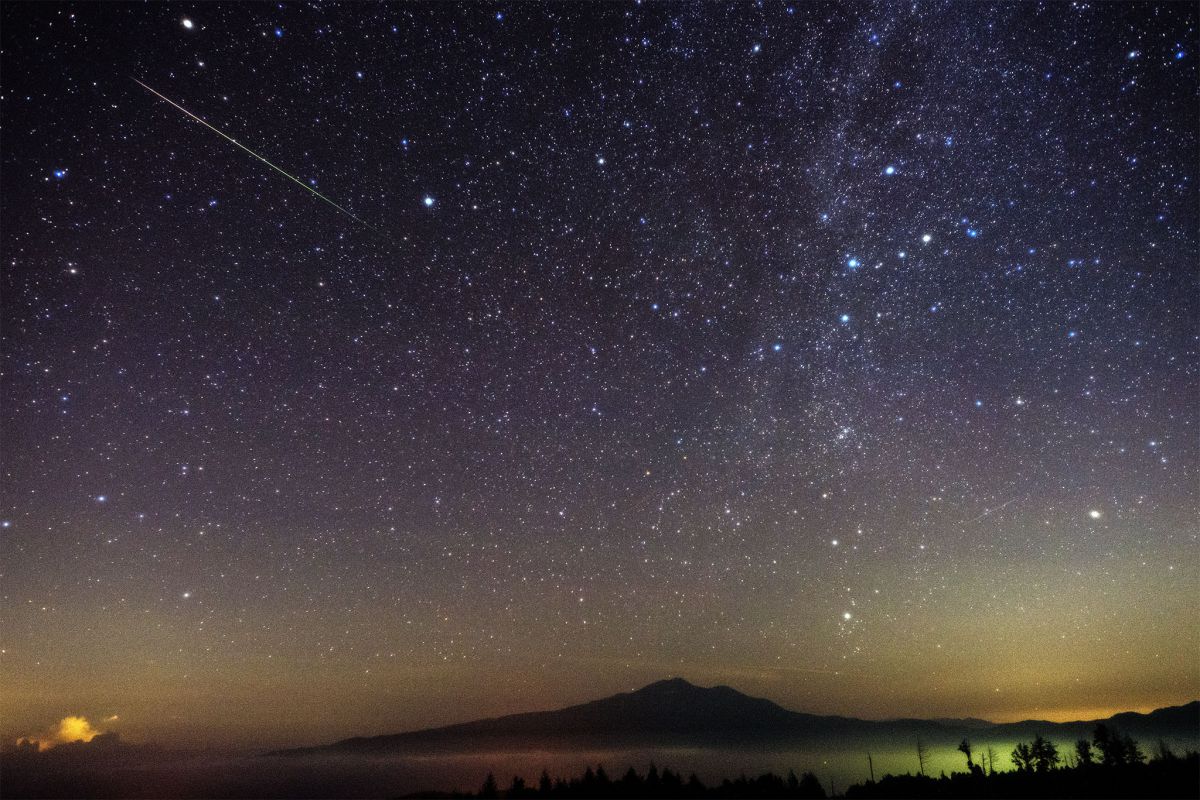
890 170
60 174
279 33
777 347
499 16
845 318
428 201
853 263
973 233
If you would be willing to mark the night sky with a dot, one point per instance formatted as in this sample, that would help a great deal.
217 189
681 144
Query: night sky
843 354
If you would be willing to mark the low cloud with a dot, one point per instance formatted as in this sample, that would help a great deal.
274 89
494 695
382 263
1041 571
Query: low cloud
67 730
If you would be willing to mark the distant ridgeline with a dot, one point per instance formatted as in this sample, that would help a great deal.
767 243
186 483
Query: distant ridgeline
675 713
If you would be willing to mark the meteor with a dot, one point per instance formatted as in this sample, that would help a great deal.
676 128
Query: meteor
280 170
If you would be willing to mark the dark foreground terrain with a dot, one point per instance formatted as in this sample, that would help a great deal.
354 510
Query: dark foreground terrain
707 735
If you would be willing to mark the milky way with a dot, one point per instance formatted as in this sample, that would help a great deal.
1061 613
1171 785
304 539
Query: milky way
844 354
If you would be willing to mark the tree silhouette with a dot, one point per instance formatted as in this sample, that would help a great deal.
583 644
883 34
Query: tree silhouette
1083 751
1115 749
811 787
1045 754
922 756
1111 751
1022 757
964 747
1133 753
489 789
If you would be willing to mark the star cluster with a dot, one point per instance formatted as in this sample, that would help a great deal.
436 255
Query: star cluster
846 354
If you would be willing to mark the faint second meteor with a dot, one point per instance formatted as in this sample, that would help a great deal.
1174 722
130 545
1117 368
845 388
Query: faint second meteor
280 170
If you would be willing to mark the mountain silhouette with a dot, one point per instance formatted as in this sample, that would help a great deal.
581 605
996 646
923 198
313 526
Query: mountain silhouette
674 713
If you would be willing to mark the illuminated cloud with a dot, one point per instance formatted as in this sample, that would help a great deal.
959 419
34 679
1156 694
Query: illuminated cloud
69 729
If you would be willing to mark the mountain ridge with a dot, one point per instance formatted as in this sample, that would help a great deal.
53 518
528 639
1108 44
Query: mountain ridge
674 712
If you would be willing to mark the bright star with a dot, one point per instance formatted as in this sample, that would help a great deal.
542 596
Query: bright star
187 23
428 201
847 616
890 170
927 238
1095 513
844 318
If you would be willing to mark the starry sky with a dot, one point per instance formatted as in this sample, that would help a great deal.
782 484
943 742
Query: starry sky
845 354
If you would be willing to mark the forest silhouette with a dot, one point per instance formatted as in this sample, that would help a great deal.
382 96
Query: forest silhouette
1109 765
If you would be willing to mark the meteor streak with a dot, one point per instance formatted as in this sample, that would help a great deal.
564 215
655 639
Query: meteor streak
280 170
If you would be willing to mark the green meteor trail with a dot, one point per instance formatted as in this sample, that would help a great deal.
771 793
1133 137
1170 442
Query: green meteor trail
280 170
